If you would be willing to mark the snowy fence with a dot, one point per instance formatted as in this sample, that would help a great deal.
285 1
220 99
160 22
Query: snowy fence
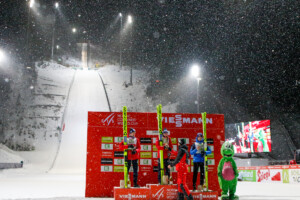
11 165
279 173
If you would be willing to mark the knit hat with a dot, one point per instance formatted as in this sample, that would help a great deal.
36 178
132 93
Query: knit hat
199 135
165 131
132 130
181 141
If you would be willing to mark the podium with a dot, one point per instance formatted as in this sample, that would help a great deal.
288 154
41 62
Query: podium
158 192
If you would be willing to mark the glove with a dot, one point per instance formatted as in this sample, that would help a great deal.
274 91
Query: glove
133 152
202 152
170 149
130 146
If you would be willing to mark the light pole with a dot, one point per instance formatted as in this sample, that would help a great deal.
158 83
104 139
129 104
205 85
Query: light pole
30 6
131 40
195 71
56 5
121 27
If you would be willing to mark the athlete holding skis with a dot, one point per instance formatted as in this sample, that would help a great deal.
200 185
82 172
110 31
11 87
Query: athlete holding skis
167 148
134 147
197 150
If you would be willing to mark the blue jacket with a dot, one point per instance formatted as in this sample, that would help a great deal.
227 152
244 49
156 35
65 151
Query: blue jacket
198 157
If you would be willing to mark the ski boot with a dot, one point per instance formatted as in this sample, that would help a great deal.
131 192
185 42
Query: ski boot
190 197
180 196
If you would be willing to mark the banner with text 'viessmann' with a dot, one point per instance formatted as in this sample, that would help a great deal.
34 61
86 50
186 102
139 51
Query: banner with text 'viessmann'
104 168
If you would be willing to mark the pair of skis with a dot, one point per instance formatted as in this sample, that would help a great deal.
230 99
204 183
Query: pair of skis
125 143
205 149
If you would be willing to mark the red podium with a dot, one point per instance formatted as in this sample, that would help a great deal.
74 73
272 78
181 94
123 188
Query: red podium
105 160
158 192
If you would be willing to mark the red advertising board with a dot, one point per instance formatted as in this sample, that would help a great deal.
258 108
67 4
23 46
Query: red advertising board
131 193
104 168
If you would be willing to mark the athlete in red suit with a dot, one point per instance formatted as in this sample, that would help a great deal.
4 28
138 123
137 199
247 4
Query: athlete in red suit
134 148
181 163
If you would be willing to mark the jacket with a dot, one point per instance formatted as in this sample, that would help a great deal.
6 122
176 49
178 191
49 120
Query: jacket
165 151
198 157
136 144
181 160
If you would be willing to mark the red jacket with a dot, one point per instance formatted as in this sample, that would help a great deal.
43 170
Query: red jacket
181 160
136 145
166 151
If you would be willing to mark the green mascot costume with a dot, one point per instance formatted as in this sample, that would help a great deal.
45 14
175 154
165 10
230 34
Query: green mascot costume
227 172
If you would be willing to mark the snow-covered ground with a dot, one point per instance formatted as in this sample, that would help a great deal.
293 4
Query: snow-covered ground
66 178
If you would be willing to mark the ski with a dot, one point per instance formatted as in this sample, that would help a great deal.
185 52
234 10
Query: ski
125 143
161 152
205 149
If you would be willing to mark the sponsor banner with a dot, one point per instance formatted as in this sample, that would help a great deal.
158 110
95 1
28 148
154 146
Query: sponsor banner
118 168
131 193
155 162
155 155
271 167
145 147
145 155
118 161
154 148
118 139
294 176
175 147
152 133
145 162
108 161
276 175
248 175
263 175
146 169
119 154
212 155
107 139
107 146
107 154
162 192
174 141
205 195
210 161
173 169
154 140
106 168
210 141
145 140
187 140
286 176
155 169
294 166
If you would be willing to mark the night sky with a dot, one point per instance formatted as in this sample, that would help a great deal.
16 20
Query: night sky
249 49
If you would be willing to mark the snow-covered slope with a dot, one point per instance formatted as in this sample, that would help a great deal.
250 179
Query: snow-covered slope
86 94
